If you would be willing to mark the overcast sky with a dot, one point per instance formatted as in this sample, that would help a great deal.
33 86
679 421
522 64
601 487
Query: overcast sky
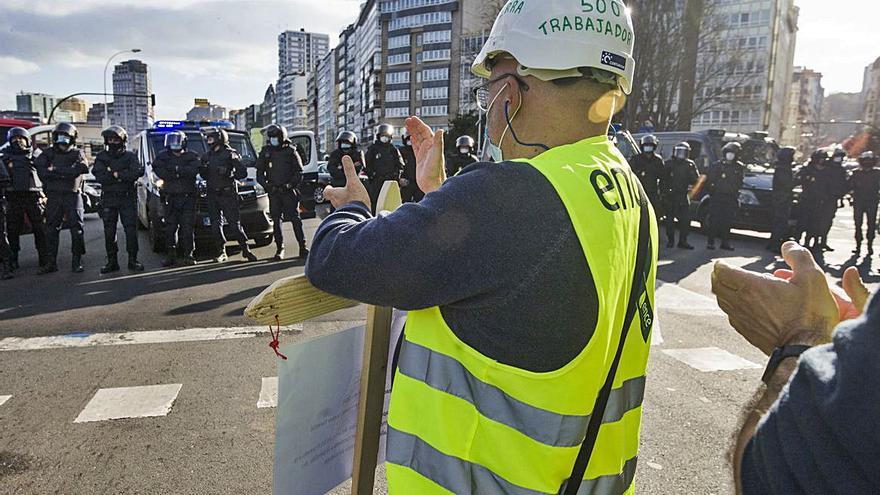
225 50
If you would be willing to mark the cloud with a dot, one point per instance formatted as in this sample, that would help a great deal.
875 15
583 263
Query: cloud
16 66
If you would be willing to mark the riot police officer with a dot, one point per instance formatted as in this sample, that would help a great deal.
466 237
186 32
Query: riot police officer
679 174
222 168
725 179
279 171
117 170
463 156
833 181
62 168
808 201
783 196
177 168
865 186
648 167
24 196
409 184
5 251
346 145
384 162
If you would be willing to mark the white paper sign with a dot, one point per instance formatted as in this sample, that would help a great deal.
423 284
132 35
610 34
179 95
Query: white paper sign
316 418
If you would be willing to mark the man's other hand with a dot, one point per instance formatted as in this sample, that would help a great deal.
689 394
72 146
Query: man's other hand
430 160
771 312
851 300
353 191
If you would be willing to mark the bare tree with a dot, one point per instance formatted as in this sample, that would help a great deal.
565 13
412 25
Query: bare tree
662 64
489 11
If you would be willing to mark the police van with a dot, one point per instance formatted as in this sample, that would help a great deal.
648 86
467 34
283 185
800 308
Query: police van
758 155
253 200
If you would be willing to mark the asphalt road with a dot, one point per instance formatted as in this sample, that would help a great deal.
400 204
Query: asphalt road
215 439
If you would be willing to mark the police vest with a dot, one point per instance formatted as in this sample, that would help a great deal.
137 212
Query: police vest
460 422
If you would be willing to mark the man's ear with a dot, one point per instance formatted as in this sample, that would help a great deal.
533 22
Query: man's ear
606 106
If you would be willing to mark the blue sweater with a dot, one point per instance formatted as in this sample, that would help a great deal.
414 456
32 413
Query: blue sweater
494 248
821 435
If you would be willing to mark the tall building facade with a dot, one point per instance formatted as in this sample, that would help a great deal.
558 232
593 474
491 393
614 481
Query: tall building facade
804 105
322 105
751 62
298 54
78 108
870 96
203 110
95 115
38 103
133 113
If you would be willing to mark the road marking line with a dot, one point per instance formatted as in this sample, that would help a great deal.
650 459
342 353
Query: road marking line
268 393
85 339
656 335
671 297
710 359
129 402
4 398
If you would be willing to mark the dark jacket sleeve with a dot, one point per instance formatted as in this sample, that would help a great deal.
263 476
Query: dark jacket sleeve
191 166
399 161
41 163
101 170
203 166
428 244
161 168
261 165
820 436
239 168
134 171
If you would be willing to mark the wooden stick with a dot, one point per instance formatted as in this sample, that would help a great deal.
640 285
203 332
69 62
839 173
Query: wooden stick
293 300
375 365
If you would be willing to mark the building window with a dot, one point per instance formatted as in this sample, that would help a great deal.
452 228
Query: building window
397 77
402 58
425 19
433 55
397 95
441 93
398 41
397 112
436 37
441 74
433 111
409 4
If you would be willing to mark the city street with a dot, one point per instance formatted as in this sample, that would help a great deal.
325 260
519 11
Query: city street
66 337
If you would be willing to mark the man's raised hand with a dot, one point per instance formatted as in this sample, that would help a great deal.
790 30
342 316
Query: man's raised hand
430 160
353 191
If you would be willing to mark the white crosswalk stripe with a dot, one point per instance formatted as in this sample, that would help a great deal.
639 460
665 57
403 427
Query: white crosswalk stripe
4 398
268 393
130 402
710 359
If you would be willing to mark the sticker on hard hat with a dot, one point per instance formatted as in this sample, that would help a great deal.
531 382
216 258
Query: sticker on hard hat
613 60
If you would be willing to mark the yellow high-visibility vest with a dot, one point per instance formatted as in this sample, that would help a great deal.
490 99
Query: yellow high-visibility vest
460 422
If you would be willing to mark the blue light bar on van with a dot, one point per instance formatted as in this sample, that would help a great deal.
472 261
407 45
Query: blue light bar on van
173 125
168 125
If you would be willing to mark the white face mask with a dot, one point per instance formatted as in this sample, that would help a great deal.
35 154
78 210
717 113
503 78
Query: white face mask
730 156
491 149
838 159
385 139
345 146
274 141
648 149
464 150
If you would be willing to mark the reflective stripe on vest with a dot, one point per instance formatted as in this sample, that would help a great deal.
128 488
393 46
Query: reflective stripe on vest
460 422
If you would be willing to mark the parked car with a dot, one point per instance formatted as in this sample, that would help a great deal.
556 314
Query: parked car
758 155
254 203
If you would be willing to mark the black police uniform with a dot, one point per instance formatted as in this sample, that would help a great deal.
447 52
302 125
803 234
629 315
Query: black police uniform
383 163
865 186
783 197
723 183
678 175
410 192
118 173
458 161
179 194
63 187
221 169
808 203
5 251
24 199
833 186
279 171
334 164
648 167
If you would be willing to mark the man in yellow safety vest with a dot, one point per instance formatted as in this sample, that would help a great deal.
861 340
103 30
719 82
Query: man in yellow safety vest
529 281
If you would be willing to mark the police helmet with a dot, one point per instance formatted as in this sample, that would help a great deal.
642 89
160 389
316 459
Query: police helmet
463 141
114 131
868 158
682 150
407 138
220 136
732 147
819 156
649 140
385 130
785 155
277 131
175 141
839 153
21 133
347 137
64 133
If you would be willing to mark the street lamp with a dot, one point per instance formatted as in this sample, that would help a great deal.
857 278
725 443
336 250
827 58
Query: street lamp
107 65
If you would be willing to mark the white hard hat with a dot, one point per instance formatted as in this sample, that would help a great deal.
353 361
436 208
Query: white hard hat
563 35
